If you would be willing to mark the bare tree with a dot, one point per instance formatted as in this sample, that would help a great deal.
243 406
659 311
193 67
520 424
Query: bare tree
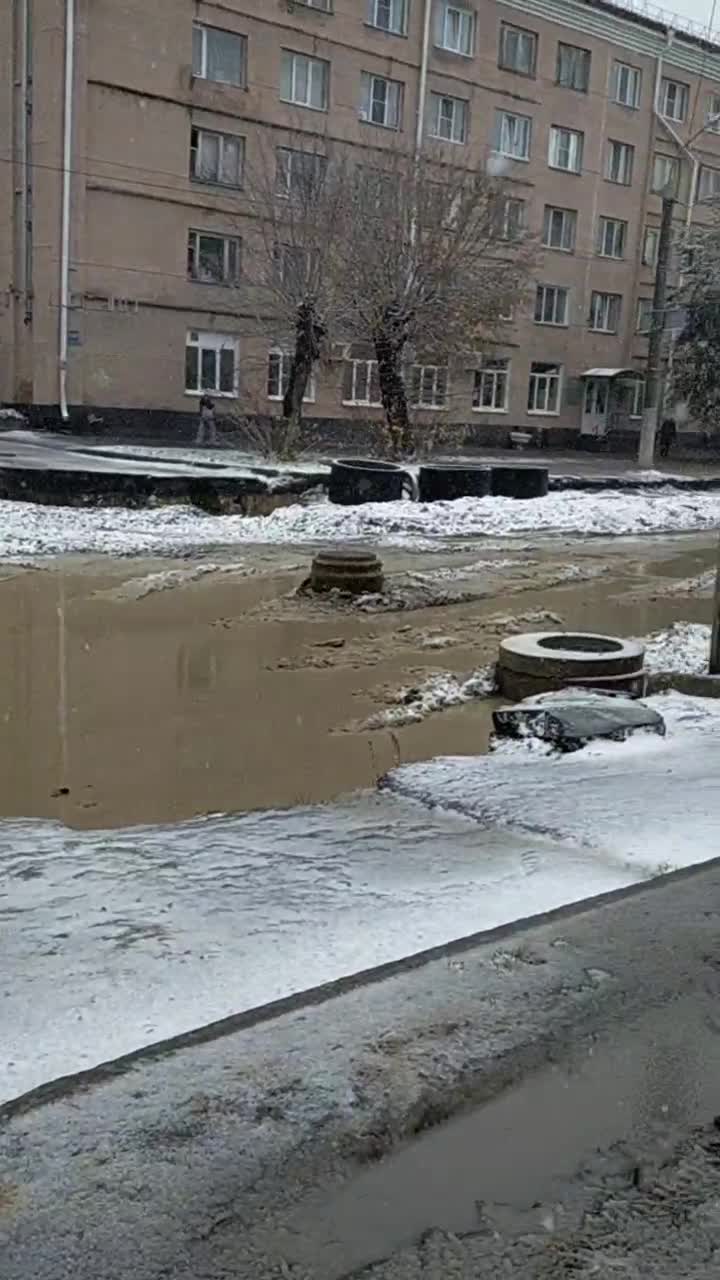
435 259
695 369
298 195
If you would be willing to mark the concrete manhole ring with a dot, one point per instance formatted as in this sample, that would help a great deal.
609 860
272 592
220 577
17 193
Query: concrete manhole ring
571 654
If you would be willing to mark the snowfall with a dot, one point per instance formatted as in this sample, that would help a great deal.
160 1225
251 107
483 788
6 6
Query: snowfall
30 531
120 939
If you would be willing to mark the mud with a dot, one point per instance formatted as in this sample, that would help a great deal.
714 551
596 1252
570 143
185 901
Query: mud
150 692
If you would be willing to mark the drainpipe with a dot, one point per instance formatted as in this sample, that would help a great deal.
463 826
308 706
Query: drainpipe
422 91
66 191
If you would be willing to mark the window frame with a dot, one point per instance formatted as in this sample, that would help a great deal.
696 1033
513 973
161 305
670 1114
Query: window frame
394 91
611 306
419 371
707 195
579 137
679 89
511 28
604 222
500 116
197 133
637 409
713 98
628 170
280 355
204 29
285 190
653 233
467 16
585 62
230 277
560 292
375 6
217 342
634 78
434 101
371 371
550 374
570 216
498 369
513 230
673 165
322 63
640 310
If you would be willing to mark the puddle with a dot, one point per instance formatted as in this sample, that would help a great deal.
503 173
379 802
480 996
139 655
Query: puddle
510 1161
202 699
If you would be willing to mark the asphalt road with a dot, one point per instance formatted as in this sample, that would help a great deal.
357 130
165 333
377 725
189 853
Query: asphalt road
581 1053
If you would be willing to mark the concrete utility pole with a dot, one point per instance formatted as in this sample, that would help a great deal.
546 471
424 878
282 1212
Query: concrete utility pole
653 380
715 641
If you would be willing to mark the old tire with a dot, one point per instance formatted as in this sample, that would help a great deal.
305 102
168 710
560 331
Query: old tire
519 482
447 481
357 480
346 569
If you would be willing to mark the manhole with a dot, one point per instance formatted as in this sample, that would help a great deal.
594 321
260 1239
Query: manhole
542 661
346 569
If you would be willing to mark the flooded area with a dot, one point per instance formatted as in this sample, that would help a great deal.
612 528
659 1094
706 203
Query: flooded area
125 703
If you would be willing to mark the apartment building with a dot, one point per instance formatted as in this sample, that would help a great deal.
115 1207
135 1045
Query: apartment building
126 130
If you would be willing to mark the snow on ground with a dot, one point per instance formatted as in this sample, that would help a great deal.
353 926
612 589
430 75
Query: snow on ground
30 530
684 647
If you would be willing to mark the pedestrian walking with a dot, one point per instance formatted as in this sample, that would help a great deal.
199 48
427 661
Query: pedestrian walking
207 427
668 432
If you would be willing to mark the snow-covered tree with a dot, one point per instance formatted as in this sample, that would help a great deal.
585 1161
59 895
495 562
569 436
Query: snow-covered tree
695 373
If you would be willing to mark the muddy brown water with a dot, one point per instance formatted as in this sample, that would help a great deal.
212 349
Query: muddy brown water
210 697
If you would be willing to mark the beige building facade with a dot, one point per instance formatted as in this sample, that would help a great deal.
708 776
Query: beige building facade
125 215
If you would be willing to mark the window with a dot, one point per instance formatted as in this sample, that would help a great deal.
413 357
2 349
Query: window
448 117
651 239
455 29
551 304
490 389
612 236
279 363
219 55
712 112
708 183
666 171
627 82
637 398
573 67
216 157
673 99
544 387
518 50
211 363
566 149
213 259
605 312
299 173
619 159
388 15
512 135
644 315
292 263
362 383
381 101
429 386
325 5
559 228
304 80
514 218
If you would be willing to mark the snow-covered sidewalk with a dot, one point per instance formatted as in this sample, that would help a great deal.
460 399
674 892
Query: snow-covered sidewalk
27 530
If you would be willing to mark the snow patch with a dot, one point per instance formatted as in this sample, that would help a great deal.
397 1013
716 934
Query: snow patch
683 648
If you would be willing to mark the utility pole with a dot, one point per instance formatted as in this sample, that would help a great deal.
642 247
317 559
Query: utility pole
653 380
715 641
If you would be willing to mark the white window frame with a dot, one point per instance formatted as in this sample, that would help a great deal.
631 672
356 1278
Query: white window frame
651 236
202 35
708 171
288 158
317 68
493 373
197 134
674 99
420 372
627 85
363 371
671 167
567 140
612 230
381 91
462 41
625 151
216 342
638 398
517 38
509 127
644 311
712 114
568 228
396 11
457 121
231 248
605 311
584 62
559 295
545 385
513 228
283 358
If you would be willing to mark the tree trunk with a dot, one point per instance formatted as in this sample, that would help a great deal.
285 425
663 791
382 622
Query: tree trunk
309 333
390 340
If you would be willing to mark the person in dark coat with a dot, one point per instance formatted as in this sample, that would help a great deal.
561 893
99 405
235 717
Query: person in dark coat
668 432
